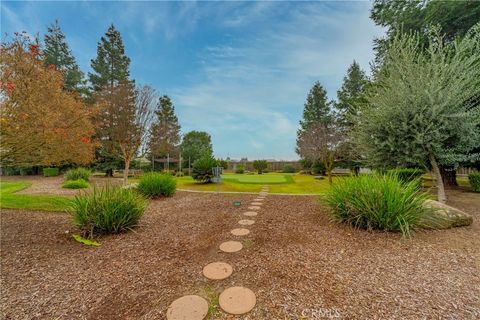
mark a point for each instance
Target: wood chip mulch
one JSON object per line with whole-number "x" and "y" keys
{"x": 297, "y": 262}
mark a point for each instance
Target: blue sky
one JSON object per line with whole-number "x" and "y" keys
{"x": 238, "y": 70}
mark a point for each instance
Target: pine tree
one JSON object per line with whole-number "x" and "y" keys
{"x": 316, "y": 108}
{"x": 111, "y": 66}
{"x": 57, "y": 53}
{"x": 351, "y": 94}
{"x": 165, "y": 132}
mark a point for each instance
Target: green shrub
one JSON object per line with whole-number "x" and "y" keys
{"x": 78, "y": 173}
{"x": 260, "y": 165}
{"x": 154, "y": 185}
{"x": 318, "y": 168}
{"x": 474, "y": 179}
{"x": 202, "y": 169}
{"x": 50, "y": 172}
{"x": 240, "y": 169}
{"x": 288, "y": 169}
{"x": 374, "y": 201}
{"x": 107, "y": 210}
{"x": 407, "y": 174}
{"x": 75, "y": 184}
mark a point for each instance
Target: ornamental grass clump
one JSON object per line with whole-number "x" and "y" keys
{"x": 107, "y": 210}
{"x": 155, "y": 185}
{"x": 78, "y": 173}
{"x": 382, "y": 202}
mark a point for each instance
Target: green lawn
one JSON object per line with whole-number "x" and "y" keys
{"x": 9, "y": 199}
{"x": 278, "y": 183}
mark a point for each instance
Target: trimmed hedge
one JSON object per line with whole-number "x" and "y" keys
{"x": 50, "y": 172}
{"x": 474, "y": 179}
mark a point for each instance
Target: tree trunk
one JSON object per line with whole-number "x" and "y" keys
{"x": 449, "y": 176}
{"x": 438, "y": 176}
{"x": 328, "y": 168}
{"x": 109, "y": 173}
{"x": 125, "y": 172}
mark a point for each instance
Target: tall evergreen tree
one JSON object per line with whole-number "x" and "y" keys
{"x": 316, "y": 110}
{"x": 350, "y": 97}
{"x": 57, "y": 53}
{"x": 350, "y": 94}
{"x": 165, "y": 131}
{"x": 111, "y": 66}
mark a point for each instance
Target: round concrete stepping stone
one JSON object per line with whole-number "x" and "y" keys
{"x": 217, "y": 270}
{"x": 231, "y": 246}
{"x": 188, "y": 307}
{"x": 240, "y": 232}
{"x": 237, "y": 300}
{"x": 246, "y": 222}
{"x": 253, "y": 208}
{"x": 256, "y": 203}
{"x": 250, "y": 213}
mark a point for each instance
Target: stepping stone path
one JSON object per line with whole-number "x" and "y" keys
{"x": 217, "y": 270}
{"x": 246, "y": 222}
{"x": 234, "y": 300}
{"x": 188, "y": 307}
{"x": 237, "y": 300}
{"x": 231, "y": 246}
{"x": 240, "y": 232}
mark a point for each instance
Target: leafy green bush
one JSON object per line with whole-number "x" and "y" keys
{"x": 407, "y": 174}
{"x": 474, "y": 179}
{"x": 377, "y": 202}
{"x": 154, "y": 185}
{"x": 240, "y": 169}
{"x": 318, "y": 168}
{"x": 202, "y": 169}
{"x": 107, "y": 210}
{"x": 78, "y": 173}
{"x": 288, "y": 168}
{"x": 50, "y": 172}
{"x": 260, "y": 165}
{"x": 75, "y": 184}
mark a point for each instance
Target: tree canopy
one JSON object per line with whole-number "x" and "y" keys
{"x": 195, "y": 145}
{"x": 165, "y": 131}
{"x": 41, "y": 123}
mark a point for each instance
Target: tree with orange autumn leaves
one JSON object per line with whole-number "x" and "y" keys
{"x": 41, "y": 124}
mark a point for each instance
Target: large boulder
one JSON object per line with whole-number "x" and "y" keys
{"x": 444, "y": 216}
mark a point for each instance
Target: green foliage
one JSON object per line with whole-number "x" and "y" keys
{"x": 288, "y": 169}
{"x": 78, "y": 173}
{"x": 318, "y": 168}
{"x": 165, "y": 131}
{"x": 154, "y": 185}
{"x": 111, "y": 65}
{"x": 381, "y": 202}
{"x": 474, "y": 180}
{"x": 50, "y": 172}
{"x": 407, "y": 174}
{"x": 423, "y": 104}
{"x": 260, "y": 165}
{"x": 240, "y": 169}
{"x": 202, "y": 169}
{"x": 107, "y": 210}
{"x": 222, "y": 163}
{"x": 195, "y": 145}
{"x": 57, "y": 53}
{"x": 75, "y": 184}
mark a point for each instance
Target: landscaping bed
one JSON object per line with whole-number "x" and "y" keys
{"x": 295, "y": 260}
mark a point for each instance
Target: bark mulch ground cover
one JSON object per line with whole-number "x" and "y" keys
{"x": 295, "y": 260}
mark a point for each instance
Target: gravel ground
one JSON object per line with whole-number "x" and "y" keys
{"x": 296, "y": 261}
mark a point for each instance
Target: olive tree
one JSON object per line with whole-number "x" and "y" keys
{"x": 423, "y": 108}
